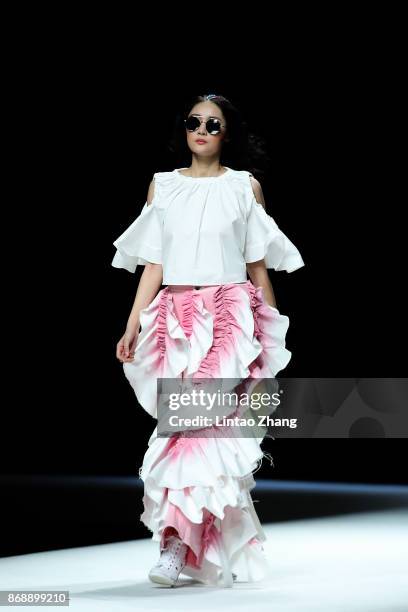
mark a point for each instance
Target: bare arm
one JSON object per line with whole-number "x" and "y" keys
{"x": 257, "y": 270}
{"x": 149, "y": 284}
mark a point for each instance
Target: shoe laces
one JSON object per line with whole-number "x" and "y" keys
{"x": 175, "y": 550}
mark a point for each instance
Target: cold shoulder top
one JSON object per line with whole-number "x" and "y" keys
{"x": 204, "y": 230}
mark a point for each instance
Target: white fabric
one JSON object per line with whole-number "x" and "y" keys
{"x": 213, "y": 473}
{"x": 204, "y": 230}
{"x": 183, "y": 354}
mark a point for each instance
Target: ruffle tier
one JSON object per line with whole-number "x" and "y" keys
{"x": 244, "y": 339}
{"x": 201, "y": 487}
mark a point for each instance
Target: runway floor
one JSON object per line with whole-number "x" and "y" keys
{"x": 348, "y": 563}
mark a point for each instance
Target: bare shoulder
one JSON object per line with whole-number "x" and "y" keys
{"x": 150, "y": 192}
{"x": 257, "y": 189}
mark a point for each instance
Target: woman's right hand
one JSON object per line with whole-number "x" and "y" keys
{"x": 125, "y": 348}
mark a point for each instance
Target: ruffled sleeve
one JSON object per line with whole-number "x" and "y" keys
{"x": 141, "y": 243}
{"x": 264, "y": 240}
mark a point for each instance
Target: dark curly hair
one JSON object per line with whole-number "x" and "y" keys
{"x": 244, "y": 150}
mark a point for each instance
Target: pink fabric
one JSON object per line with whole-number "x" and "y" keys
{"x": 223, "y": 331}
{"x": 161, "y": 322}
{"x": 197, "y": 536}
{"x": 221, "y": 301}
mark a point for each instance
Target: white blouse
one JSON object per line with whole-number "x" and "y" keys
{"x": 204, "y": 230}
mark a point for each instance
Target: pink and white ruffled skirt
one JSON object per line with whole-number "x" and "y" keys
{"x": 200, "y": 486}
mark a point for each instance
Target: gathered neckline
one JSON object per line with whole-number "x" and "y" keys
{"x": 201, "y": 178}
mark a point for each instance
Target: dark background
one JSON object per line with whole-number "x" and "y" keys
{"x": 92, "y": 130}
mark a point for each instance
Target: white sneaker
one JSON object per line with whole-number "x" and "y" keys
{"x": 171, "y": 562}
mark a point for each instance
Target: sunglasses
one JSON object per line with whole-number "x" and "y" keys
{"x": 213, "y": 126}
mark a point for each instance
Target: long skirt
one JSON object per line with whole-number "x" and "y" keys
{"x": 196, "y": 486}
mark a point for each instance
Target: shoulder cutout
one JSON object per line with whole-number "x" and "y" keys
{"x": 257, "y": 190}
{"x": 150, "y": 193}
